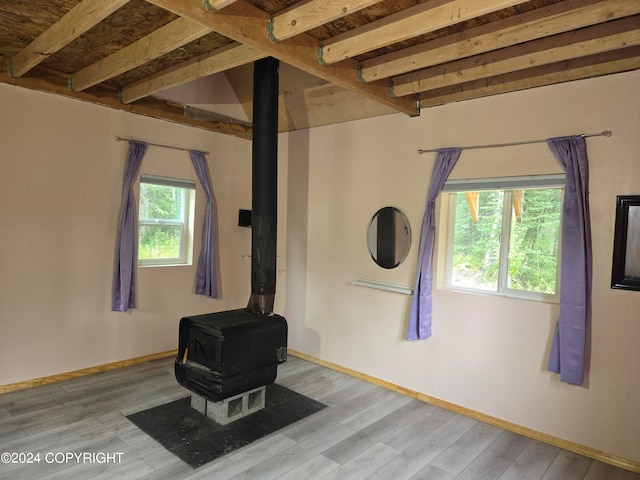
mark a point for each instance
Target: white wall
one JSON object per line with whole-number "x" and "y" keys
{"x": 487, "y": 353}
{"x": 60, "y": 188}
{"x": 60, "y": 191}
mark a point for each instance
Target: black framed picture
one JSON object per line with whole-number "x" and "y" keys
{"x": 626, "y": 244}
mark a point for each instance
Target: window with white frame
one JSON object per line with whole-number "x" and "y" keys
{"x": 165, "y": 214}
{"x": 504, "y": 236}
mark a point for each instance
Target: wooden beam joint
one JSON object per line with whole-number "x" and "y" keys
{"x": 245, "y": 24}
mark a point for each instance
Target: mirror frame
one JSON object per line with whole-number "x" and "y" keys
{"x": 407, "y": 227}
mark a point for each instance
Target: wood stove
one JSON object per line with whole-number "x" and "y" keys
{"x": 226, "y": 353}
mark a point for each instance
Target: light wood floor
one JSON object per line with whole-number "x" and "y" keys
{"x": 367, "y": 432}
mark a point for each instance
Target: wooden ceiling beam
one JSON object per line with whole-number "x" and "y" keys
{"x": 412, "y": 22}
{"x": 216, "y": 61}
{"x": 588, "y": 41}
{"x": 311, "y": 14}
{"x": 80, "y": 19}
{"x": 539, "y": 23}
{"x": 156, "y": 108}
{"x": 247, "y": 24}
{"x": 215, "y": 5}
{"x": 608, "y": 63}
{"x": 165, "y": 39}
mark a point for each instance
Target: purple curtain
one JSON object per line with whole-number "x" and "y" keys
{"x": 568, "y": 351}
{"x": 123, "y": 293}
{"x": 207, "y": 273}
{"x": 420, "y": 316}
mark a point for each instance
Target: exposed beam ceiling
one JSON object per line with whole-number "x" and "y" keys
{"x": 151, "y": 107}
{"x": 575, "y": 44}
{"x": 218, "y": 60}
{"x": 167, "y": 38}
{"x": 246, "y": 24}
{"x": 540, "y": 23}
{"x": 341, "y": 59}
{"x": 424, "y": 18}
{"x": 569, "y": 70}
{"x": 308, "y": 15}
{"x": 79, "y": 20}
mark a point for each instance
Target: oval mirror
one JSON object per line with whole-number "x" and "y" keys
{"x": 389, "y": 237}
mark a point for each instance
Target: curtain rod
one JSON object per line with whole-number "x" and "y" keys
{"x": 121, "y": 139}
{"x": 606, "y": 133}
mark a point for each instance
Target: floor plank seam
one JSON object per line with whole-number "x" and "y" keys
{"x": 365, "y": 431}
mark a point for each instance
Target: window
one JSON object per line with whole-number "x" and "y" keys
{"x": 504, "y": 236}
{"x": 165, "y": 221}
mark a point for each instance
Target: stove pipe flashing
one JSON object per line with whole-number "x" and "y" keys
{"x": 264, "y": 180}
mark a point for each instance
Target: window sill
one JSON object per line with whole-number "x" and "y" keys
{"x": 155, "y": 265}
{"x": 538, "y": 298}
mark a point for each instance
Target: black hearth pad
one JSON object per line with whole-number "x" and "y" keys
{"x": 197, "y": 440}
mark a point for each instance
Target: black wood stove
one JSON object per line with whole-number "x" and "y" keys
{"x": 226, "y": 353}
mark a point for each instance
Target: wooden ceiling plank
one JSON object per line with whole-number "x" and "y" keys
{"x": 246, "y": 24}
{"x": 167, "y": 38}
{"x": 412, "y": 22}
{"x": 575, "y": 69}
{"x": 539, "y": 23}
{"x": 311, "y": 14}
{"x": 589, "y": 41}
{"x": 80, "y": 19}
{"x": 216, "y": 61}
